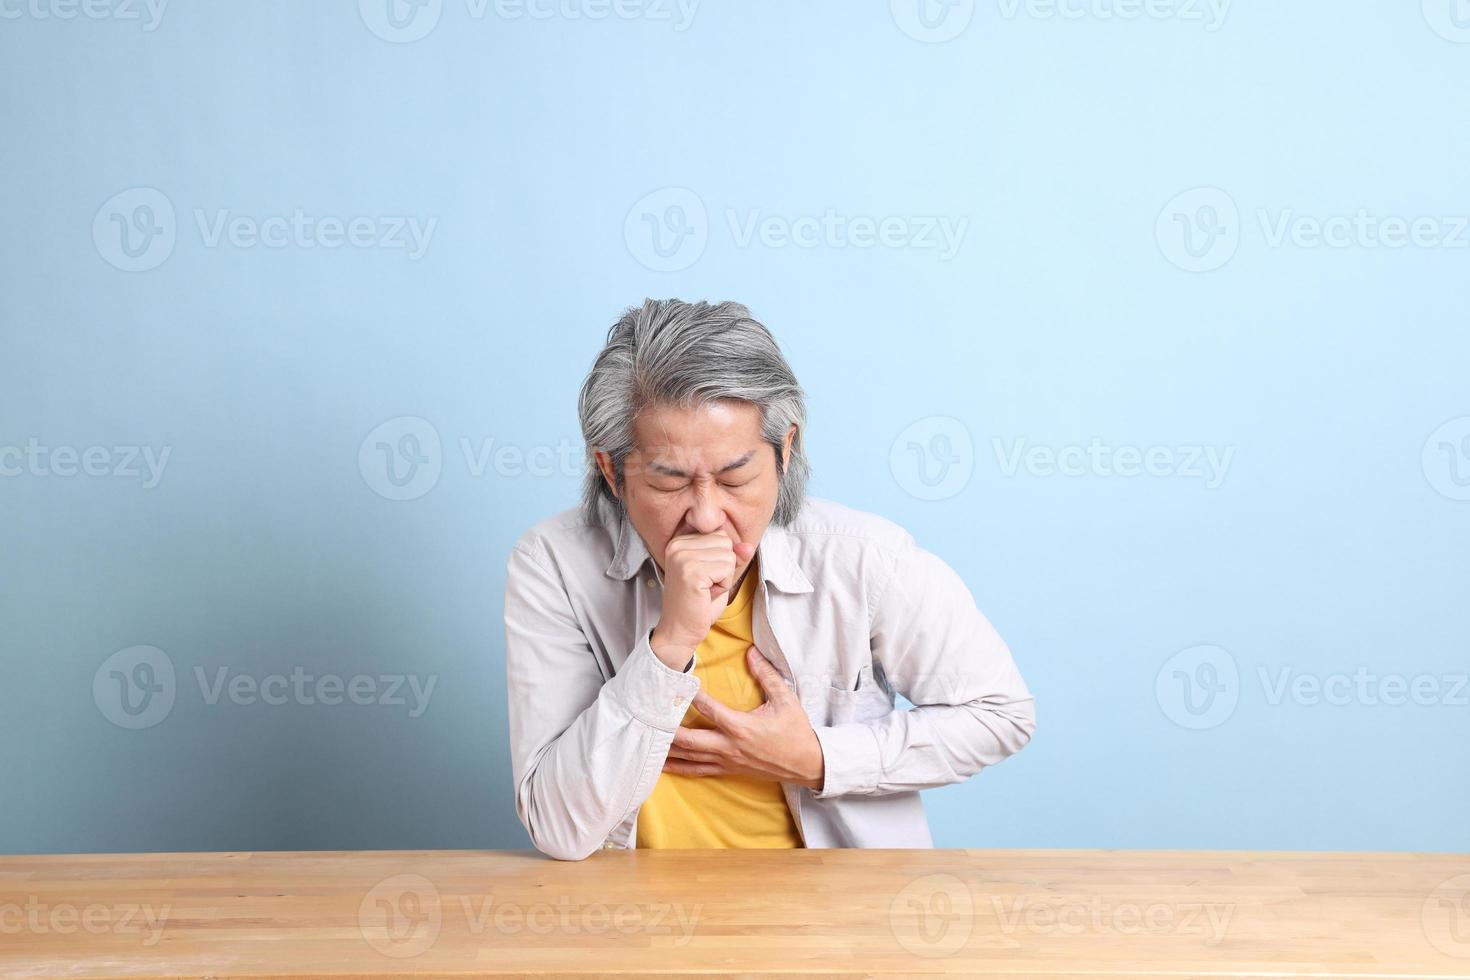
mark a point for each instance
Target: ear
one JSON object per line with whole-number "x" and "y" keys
{"x": 605, "y": 467}
{"x": 786, "y": 446}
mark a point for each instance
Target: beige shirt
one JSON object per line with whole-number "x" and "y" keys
{"x": 848, "y": 608}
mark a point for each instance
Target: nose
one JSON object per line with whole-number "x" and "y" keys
{"x": 705, "y": 515}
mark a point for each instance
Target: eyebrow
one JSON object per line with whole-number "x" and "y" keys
{"x": 671, "y": 471}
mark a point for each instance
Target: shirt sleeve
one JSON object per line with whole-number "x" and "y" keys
{"x": 585, "y": 751}
{"x": 971, "y": 707}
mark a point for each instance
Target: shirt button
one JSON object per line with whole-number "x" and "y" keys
{"x": 648, "y": 582}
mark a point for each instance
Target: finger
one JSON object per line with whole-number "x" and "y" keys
{"x": 720, "y": 715}
{"x": 699, "y": 740}
{"x": 719, "y": 571}
{"x": 769, "y": 677}
{"x": 693, "y": 769}
{"x": 689, "y": 755}
{"x": 716, "y": 541}
{"x": 744, "y": 550}
{"x": 700, "y": 547}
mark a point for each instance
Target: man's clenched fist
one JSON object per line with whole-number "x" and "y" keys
{"x": 699, "y": 577}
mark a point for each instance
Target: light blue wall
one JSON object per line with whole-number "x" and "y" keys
{"x": 1155, "y": 616}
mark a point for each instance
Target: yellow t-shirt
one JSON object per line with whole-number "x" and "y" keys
{"x": 721, "y": 811}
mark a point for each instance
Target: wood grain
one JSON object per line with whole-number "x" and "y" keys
{"x": 838, "y": 913}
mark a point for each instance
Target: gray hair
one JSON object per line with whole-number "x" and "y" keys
{"x": 672, "y": 353}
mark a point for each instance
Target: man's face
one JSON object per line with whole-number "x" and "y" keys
{"x": 698, "y": 471}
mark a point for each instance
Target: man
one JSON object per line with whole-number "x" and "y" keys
{"x": 700, "y": 655}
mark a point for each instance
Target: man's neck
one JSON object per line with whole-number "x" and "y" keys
{"x": 741, "y": 580}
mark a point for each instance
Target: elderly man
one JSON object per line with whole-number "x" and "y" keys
{"x": 700, "y": 655}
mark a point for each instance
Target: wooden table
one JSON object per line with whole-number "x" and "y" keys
{"x": 833, "y": 912}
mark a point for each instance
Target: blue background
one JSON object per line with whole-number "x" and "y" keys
{"x": 1064, "y": 317}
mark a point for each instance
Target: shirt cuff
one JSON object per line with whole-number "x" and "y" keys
{"x": 651, "y": 690}
{"x": 849, "y": 760}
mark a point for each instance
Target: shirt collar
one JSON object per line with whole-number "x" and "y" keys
{"x": 777, "y": 564}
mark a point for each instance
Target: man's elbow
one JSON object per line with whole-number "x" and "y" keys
{"x": 1024, "y": 718}
{"x": 557, "y": 839}
{"x": 1009, "y": 728}
{"x": 564, "y": 850}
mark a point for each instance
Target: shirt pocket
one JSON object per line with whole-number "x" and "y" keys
{"x": 866, "y": 702}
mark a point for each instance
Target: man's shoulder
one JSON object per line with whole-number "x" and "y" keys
{"x": 566, "y": 529}
{"x": 822, "y": 521}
